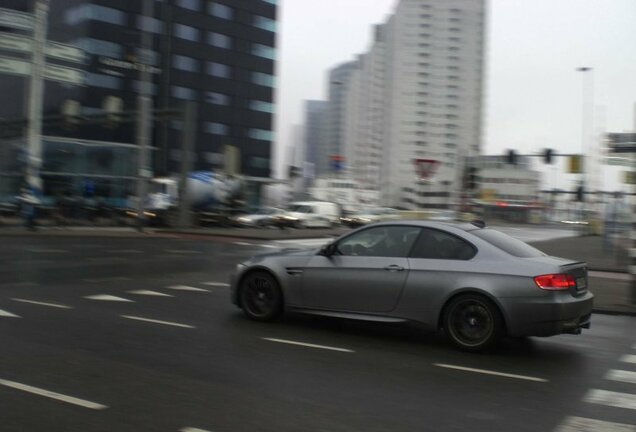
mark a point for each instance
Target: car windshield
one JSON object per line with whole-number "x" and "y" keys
{"x": 300, "y": 208}
{"x": 508, "y": 244}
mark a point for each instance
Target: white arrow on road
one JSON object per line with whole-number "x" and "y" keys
{"x": 107, "y": 297}
{"x": 149, "y": 293}
{"x": 4, "y": 313}
{"x": 186, "y": 288}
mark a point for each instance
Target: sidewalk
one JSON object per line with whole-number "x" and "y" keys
{"x": 608, "y": 278}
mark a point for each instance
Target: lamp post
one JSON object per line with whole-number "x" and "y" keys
{"x": 586, "y": 122}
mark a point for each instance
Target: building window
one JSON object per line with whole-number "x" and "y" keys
{"x": 100, "y": 47}
{"x": 218, "y": 70}
{"x": 220, "y": 10}
{"x": 259, "y": 162}
{"x": 183, "y": 31}
{"x": 263, "y": 79}
{"x": 263, "y": 51}
{"x": 85, "y": 12}
{"x": 184, "y": 93}
{"x": 258, "y": 105}
{"x": 219, "y": 40}
{"x": 148, "y": 57}
{"x": 194, "y": 5}
{"x": 185, "y": 63}
{"x": 217, "y": 98}
{"x": 149, "y": 24}
{"x": 216, "y": 128}
{"x": 103, "y": 81}
{"x": 264, "y": 23}
{"x": 260, "y": 134}
{"x": 152, "y": 88}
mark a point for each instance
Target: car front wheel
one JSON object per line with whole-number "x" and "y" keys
{"x": 261, "y": 297}
{"x": 472, "y": 322}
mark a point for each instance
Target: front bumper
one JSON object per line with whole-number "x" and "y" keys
{"x": 548, "y": 316}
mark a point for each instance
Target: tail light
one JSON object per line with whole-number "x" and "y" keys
{"x": 555, "y": 282}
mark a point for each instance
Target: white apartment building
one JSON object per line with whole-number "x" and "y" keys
{"x": 417, "y": 94}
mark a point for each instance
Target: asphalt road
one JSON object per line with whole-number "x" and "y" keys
{"x": 139, "y": 335}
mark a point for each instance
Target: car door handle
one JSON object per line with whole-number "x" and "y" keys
{"x": 293, "y": 271}
{"x": 393, "y": 267}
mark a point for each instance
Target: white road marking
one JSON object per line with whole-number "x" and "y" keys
{"x": 490, "y": 372}
{"x": 39, "y": 250}
{"x": 609, "y": 275}
{"x": 269, "y": 246}
{"x": 107, "y": 279}
{"x": 4, "y": 313}
{"x": 621, "y": 375}
{"x": 55, "y": 305}
{"x": 186, "y": 288}
{"x": 125, "y": 251}
{"x": 149, "y": 293}
{"x": 191, "y": 429}
{"x": 107, "y": 297}
{"x": 217, "y": 284}
{"x": 582, "y": 424}
{"x": 243, "y": 244}
{"x": 628, "y": 358}
{"x": 182, "y": 251}
{"x": 53, "y": 395}
{"x": 285, "y": 341}
{"x": 610, "y": 398}
{"x": 170, "y": 323}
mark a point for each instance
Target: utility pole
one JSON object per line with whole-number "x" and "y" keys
{"x": 36, "y": 90}
{"x": 144, "y": 104}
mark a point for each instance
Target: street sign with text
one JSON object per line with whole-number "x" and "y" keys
{"x": 51, "y": 72}
{"x": 19, "y": 43}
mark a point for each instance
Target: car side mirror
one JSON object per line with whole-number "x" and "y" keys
{"x": 328, "y": 250}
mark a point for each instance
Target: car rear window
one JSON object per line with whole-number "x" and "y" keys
{"x": 507, "y": 244}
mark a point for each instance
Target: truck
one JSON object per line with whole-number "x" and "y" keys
{"x": 212, "y": 197}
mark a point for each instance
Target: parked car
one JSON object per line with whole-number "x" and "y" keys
{"x": 310, "y": 214}
{"x": 260, "y": 217}
{"x": 371, "y": 215}
{"x": 475, "y": 283}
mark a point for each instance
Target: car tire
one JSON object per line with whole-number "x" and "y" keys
{"x": 472, "y": 322}
{"x": 261, "y": 297}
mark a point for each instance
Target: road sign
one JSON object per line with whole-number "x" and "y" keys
{"x": 64, "y": 52}
{"x": 12, "y": 42}
{"x": 16, "y": 19}
{"x": 64, "y": 74}
{"x": 14, "y": 67}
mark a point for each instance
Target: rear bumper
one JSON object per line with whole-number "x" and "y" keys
{"x": 548, "y": 316}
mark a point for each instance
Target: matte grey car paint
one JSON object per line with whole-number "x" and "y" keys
{"x": 416, "y": 289}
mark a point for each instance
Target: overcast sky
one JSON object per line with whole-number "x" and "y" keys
{"x": 533, "y": 96}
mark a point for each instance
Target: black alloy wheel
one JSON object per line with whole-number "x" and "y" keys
{"x": 472, "y": 322}
{"x": 261, "y": 297}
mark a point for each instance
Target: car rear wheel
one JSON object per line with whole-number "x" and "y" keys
{"x": 472, "y": 322}
{"x": 261, "y": 297}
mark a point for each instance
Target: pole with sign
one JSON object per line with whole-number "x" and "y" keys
{"x": 36, "y": 87}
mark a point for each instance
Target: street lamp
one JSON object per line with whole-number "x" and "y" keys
{"x": 586, "y": 120}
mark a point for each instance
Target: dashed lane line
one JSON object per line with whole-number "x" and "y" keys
{"x": 191, "y": 429}
{"x": 54, "y": 305}
{"x": 6, "y": 314}
{"x": 491, "y": 372}
{"x": 621, "y": 375}
{"x": 108, "y": 297}
{"x": 628, "y": 358}
{"x": 107, "y": 279}
{"x": 150, "y": 320}
{"x": 186, "y": 288}
{"x": 243, "y": 244}
{"x": 290, "y": 342}
{"x": 149, "y": 293}
{"x": 53, "y": 395}
{"x": 216, "y": 284}
{"x": 610, "y": 398}
{"x": 582, "y": 424}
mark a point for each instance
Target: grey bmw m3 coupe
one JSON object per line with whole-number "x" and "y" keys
{"x": 475, "y": 283}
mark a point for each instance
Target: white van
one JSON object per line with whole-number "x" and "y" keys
{"x": 312, "y": 214}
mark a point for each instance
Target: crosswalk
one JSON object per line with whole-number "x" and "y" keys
{"x": 623, "y": 402}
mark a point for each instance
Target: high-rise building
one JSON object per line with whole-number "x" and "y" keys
{"x": 219, "y": 54}
{"x": 416, "y": 94}
{"x": 314, "y": 135}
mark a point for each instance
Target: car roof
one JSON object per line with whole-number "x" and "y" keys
{"x": 429, "y": 224}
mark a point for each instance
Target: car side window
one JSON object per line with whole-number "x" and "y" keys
{"x": 438, "y": 244}
{"x": 382, "y": 241}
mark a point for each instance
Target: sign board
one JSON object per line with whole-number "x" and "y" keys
{"x": 63, "y": 74}
{"x": 14, "y": 67}
{"x": 12, "y": 42}
{"x": 16, "y": 19}
{"x": 64, "y": 52}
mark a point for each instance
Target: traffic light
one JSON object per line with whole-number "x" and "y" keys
{"x": 575, "y": 163}
{"x": 580, "y": 194}
{"x": 548, "y": 155}
{"x": 511, "y": 157}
